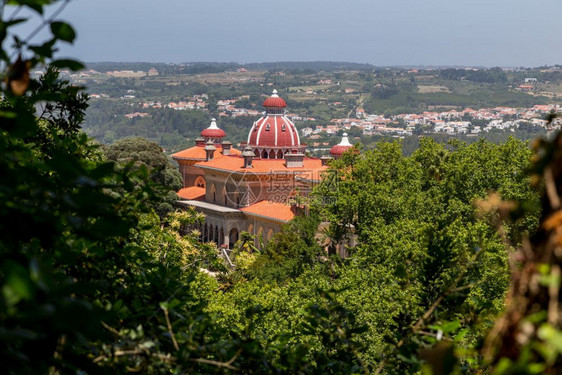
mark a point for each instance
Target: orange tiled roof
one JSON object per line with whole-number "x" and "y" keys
{"x": 192, "y": 193}
{"x": 236, "y": 164}
{"x": 276, "y": 211}
{"x": 198, "y": 153}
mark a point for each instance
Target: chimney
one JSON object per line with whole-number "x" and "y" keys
{"x": 294, "y": 160}
{"x": 226, "y": 145}
{"x": 200, "y": 141}
{"x": 210, "y": 150}
{"x": 248, "y": 156}
{"x": 325, "y": 159}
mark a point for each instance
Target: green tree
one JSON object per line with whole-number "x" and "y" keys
{"x": 140, "y": 153}
{"x": 421, "y": 240}
{"x": 92, "y": 281}
{"x": 80, "y": 290}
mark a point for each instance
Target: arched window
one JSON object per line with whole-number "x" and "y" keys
{"x": 232, "y": 237}
{"x": 264, "y": 154}
{"x": 200, "y": 182}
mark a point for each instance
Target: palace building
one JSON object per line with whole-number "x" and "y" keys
{"x": 251, "y": 189}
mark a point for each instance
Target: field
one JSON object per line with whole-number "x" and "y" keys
{"x": 428, "y": 89}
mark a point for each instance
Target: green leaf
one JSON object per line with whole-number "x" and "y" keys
{"x": 14, "y": 22}
{"x": 63, "y": 31}
{"x": 461, "y": 335}
{"x": 70, "y": 64}
{"x": 18, "y": 284}
{"x": 117, "y": 305}
{"x": 451, "y": 326}
{"x": 8, "y": 114}
{"x": 537, "y": 368}
{"x": 537, "y": 317}
{"x": 148, "y": 344}
{"x": 503, "y": 366}
{"x": 552, "y": 336}
{"x": 46, "y": 49}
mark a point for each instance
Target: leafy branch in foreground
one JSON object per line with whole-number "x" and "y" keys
{"x": 527, "y": 338}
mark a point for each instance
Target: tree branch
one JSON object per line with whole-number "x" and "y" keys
{"x": 176, "y": 346}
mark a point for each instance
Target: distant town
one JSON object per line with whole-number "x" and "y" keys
{"x": 386, "y": 102}
{"x": 449, "y": 122}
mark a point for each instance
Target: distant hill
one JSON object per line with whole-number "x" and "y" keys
{"x": 327, "y": 66}
{"x": 219, "y": 67}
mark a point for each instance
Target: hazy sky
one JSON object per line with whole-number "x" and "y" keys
{"x": 380, "y": 32}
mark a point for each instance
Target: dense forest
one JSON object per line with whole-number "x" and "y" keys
{"x": 456, "y": 267}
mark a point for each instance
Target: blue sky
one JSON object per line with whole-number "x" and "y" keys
{"x": 380, "y": 32}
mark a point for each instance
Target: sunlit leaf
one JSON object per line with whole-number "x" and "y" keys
{"x": 18, "y": 284}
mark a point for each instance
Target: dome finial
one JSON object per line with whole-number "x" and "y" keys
{"x": 213, "y": 131}
{"x": 337, "y": 150}
{"x": 345, "y": 140}
{"x": 213, "y": 124}
{"x": 274, "y": 101}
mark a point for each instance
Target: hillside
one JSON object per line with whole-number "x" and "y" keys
{"x": 174, "y": 102}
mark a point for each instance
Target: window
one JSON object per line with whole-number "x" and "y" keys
{"x": 200, "y": 182}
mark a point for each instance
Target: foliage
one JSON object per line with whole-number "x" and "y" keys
{"x": 527, "y": 338}
{"x": 428, "y": 266}
{"x": 409, "y": 100}
{"x": 289, "y": 253}
{"x": 94, "y": 281}
{"x": 493, "y": 75}
{"x": 134, "y": 153}
{"x": 420, "y": 238}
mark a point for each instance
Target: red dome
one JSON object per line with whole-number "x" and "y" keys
{"x": 342, "y": 147}
{"x": 213, "y": 131}
{"x": 274, "y": 131}
{"x": 338, "y": 150}
{"x": 274, "y": 101}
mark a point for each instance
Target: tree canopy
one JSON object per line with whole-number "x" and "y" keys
{"x": 136, "y": 153}
{"x": 94, "y": 281}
